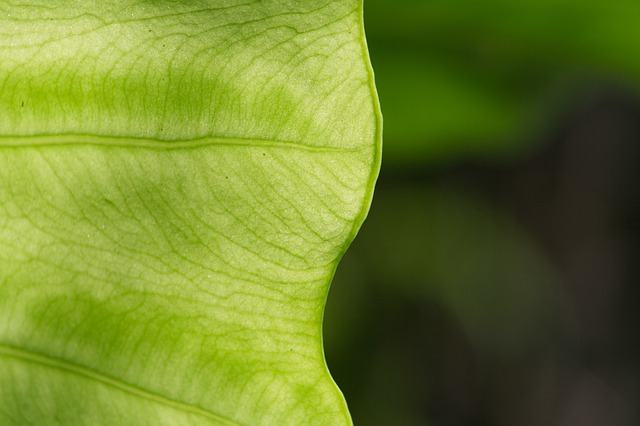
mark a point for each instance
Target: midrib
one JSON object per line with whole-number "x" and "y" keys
{"x": 7, "y": 141}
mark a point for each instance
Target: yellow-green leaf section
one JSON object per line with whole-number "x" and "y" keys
{"x": 178, "y": 180}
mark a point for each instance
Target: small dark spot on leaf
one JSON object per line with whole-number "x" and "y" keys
{"x": 22, "y": 104}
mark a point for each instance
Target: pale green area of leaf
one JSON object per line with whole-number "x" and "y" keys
{"x": 178, "y": 181}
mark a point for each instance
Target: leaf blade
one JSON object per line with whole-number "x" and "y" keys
{"x": 193, "y": 265}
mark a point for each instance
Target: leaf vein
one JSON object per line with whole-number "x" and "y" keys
{"x": 60, "y": 364}
{"x": 32, "y": 141}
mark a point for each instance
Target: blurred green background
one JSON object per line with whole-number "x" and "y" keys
{"x": 495, "y": 281}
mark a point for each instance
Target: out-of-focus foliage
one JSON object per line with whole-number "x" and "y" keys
{"x": 465, "y": 77}
{"x": 444, "y": 250}
{"x": 495, "y": 282}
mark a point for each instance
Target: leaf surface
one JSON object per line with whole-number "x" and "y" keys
{"x": 178, "y": 181}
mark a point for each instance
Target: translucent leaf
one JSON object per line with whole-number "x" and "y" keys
{"x": 178, "y": 181}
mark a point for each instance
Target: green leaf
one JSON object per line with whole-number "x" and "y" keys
{"x": 178, "y": 181}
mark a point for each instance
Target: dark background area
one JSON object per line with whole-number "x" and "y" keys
{"x": 495, "y": 281}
